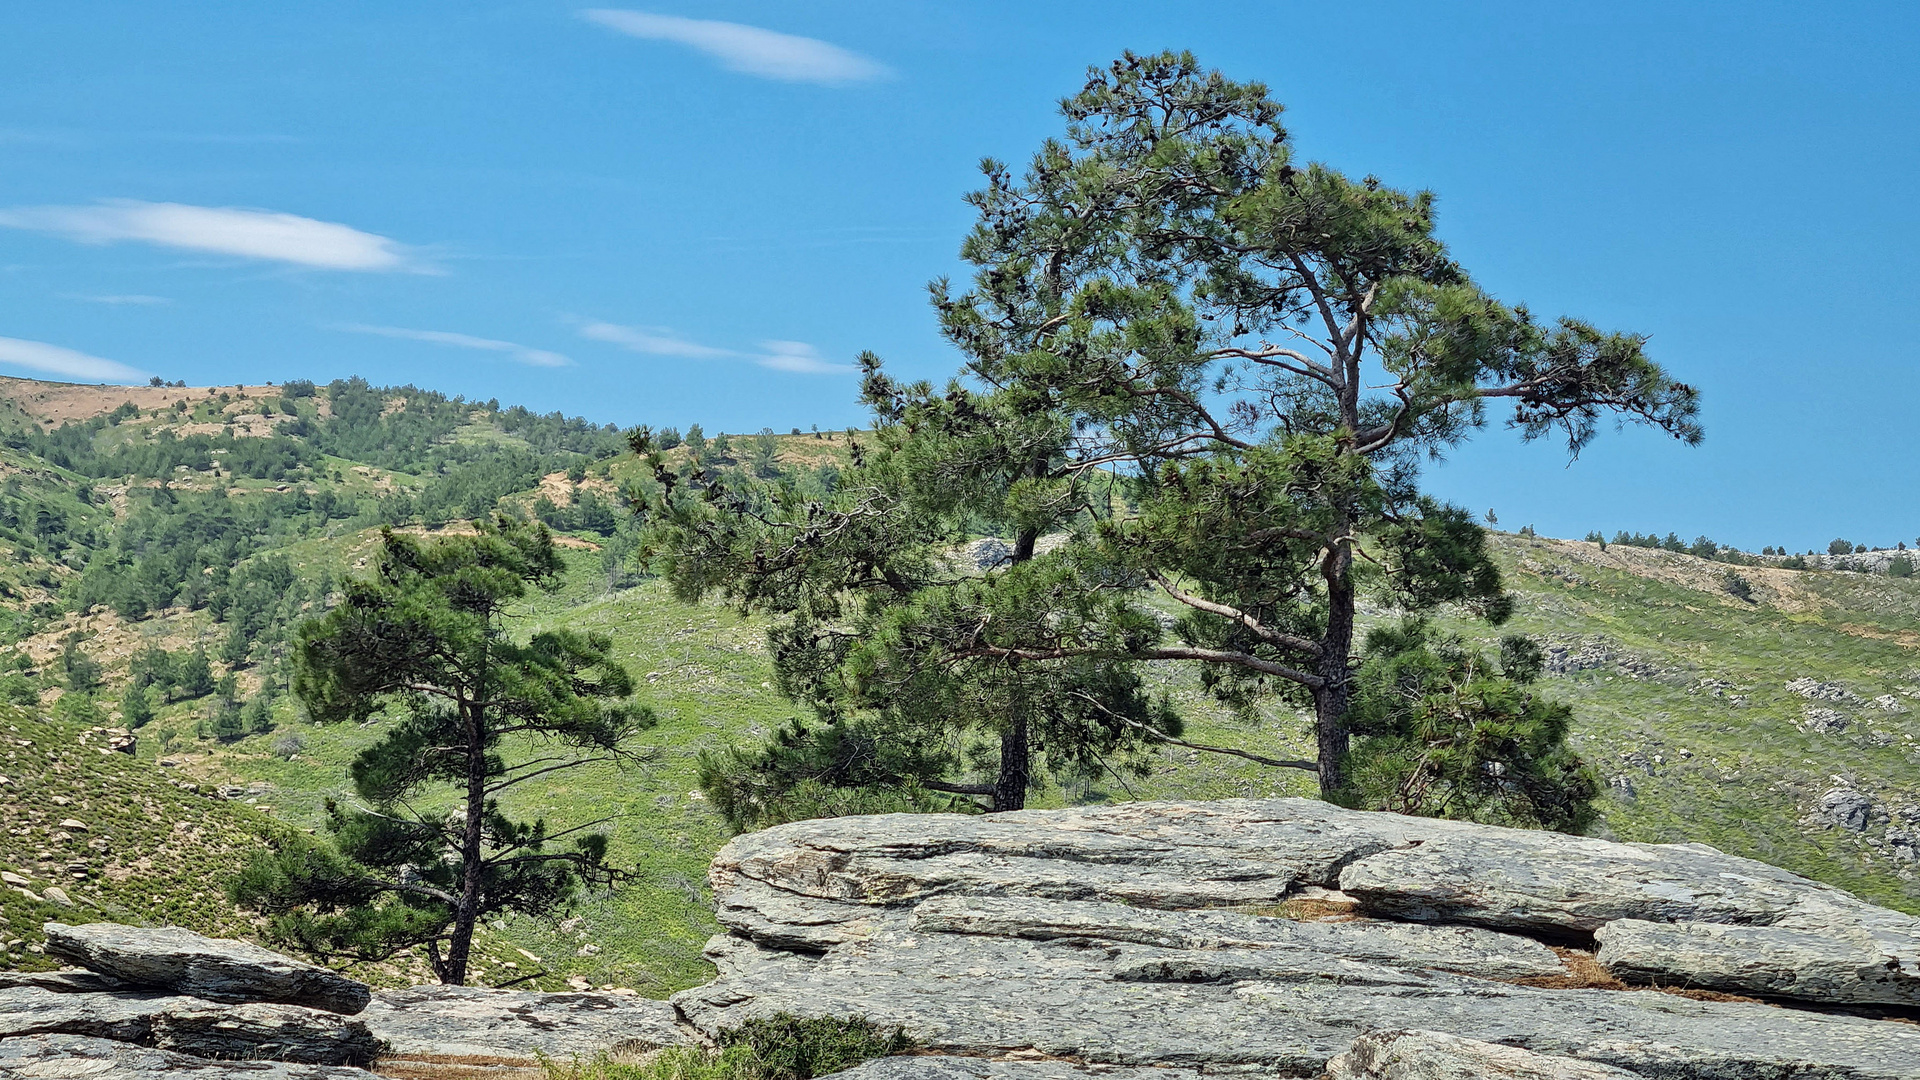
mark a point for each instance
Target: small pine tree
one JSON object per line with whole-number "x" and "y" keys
{"x": 257, "y": 715}
{"x": 425, "y": 644}
{"x": 226, "y": 724}
{"x": 193, "y": 675}
{"x": 136, "y": 709}
{"x": 82, "y": 671}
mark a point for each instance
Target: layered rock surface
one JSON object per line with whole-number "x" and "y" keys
{"x": 1142, "y": 936}
{"x": 92, "y": 1023}
{"x": 462, "y": 1021}
{"x": 50, "y": 1057}
{"x": 212, "y": 969}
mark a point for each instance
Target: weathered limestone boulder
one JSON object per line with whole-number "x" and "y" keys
{"x": 212, "y": 969}
{"x": 1433, "y": 1055}
{"x": 437, "y": 1021}
{"x": 1142, "y": 937}
{"x": 53, "y": 1057}
{"x": 190, "y": 1025}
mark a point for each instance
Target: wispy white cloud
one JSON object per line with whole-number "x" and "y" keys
{"x": 794, "y": 356}
{"x": 54, "y": 360}
{"x": 514, "y": 350}
{"x": 117, "y": 299}
{"x": 798, "y": 357}
{"x": 225, "y": 230}
{"x": 748, "y": 49}
{"x": 652, "y": 340}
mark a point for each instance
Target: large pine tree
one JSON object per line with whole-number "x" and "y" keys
{"x": 1211, "y": 371}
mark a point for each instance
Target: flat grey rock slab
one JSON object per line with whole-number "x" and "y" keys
{"x": 213, "y": 969}
{"x": 1843, "y": 963}
{"x": 1668, "y": 914}
{"x": 1462, "y": 949}
{"x": 812, "y": 886}
{"x": 471, "y": 1020}
{"x": 1433, "y": 1055}
{"x": 1521, "y": 879}
{"x": 190, "y": 1025}
{"x": 942, "y": 1067}
{"x": 1072, "y": 998}
{"x": 76, "y": 1057}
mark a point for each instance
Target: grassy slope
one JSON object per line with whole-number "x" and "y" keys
{"x": 1740, "y": 769}
{"x": 150, "y": 851}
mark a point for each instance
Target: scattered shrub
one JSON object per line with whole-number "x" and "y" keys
{"x": 1901, "y": 566}
{"x": 779, "y": 1047}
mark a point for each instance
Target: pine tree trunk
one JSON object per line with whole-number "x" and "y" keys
{"x": 1016, "y": 765}
{"x": 467, "y": 912}
{"x": 1331, "y": 698}
{"x": 1016, "y": 753}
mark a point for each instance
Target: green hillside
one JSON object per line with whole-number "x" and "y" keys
{"x": 164, "y": 540}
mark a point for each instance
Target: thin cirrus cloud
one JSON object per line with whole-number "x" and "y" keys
{"x": 118, "y": 299}
{"x": 652, "y": 340}
{"x": 54, "y": 360}
{"x": 222, "y": 230}
{"x": 749, "y": 50}
{"x": 792, "y": 356}
{"x": 798, "y": 357}
{"x": 511, "y": 349}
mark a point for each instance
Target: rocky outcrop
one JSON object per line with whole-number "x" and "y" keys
{"x": 460, "y": 1021}
{"x": 190, "y": 1025}
{"x": 211, "y": 969}
{"x": 49, "y": 1057}
{"x": 165, "y": 1000}
{"x": 1149, "y": 936}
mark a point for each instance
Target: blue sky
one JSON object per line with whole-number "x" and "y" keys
{"x": 663, "y": 214}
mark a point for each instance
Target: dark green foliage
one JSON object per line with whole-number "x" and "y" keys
{"x": 1442, "y": 731}
{"x": 1737, "y": 587}
{"x": 81, "y": 672}
{"x": 136, "y": 708}
{"x": 257, "y": 715}
{"x": 777, "y": 1047}
{"x": 227, "y": 724}
{"x": 17, "y": 689}
{"x": 787, "y": 1047}
{"x": 824, "y": 770}
{"x": 423, "y": 646}
{"x": 193, "y": 674}
{"x": 1901, "y": 566}
{"x": 1840, "y": 547}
